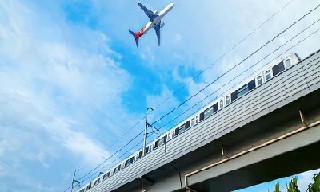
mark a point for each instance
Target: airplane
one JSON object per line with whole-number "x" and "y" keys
{"x": 155, "y": 22}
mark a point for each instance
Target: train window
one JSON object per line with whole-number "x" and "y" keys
{"x": 220, "y": 104}
{"x": 259, "y": 80}
{"x": 169, "y": 136}
{"x": 287, "y": 64}
{"x": 201, "y": 118}
{"x": 119, "y": 167}
{"x": 208, "y": 112}
{"x": 243, "y": 90}
{"x": 182, "y": 128}
{"x": 163, "y": 140}
{"x": 148, "y": 149}
{"x": 132, "y": 160}
{"x": 138, "y": 155}
{"x": 234, "y": 95}
{"x": 251, "y": 85}
{"x": 97, "y": 182}
{"x": 275, "y": 70}
{"x": 268, "y": 75}
{"x": 228, "y": 101}
{"x": 88, "y": 187}
{"x": 187, "y": 124}
{"x": 111, "y": 173}
{"x": 176, "y": 132}
{"x": 127, "y": 163}
{"x": 215, "y": 107}
{"x": 123, "y": 165}
{"x": 156, "y": 144}
{"x": 105, "y": 176}
{"x": 197, "y": 120}
{"x": 278, "y": 68}
{"x": 192, "y": 122}
{"x": 281, "y": 66}
{"x": 205, "y": 113}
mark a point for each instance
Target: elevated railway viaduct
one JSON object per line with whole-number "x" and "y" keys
{"x": 271, "y": 132}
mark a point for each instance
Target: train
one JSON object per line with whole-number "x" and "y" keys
{"x": 260, "y": 78}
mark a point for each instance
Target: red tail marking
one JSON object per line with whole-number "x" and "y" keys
{"x": 139, "y": 34}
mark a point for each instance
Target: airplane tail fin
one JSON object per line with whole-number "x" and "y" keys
{"x": 135, "y": 37}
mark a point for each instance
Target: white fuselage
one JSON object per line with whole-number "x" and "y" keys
{"x": 157, "y": 20}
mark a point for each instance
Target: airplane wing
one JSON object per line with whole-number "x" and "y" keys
{"x": 148, "y": 12}
{"x": 157, "y": 30}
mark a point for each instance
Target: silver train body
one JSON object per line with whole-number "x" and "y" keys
{"x": 260, "y": 78}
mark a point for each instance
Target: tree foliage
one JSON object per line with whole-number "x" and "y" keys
{"x": 292, "y": 186}
{"x": 315, "y": 186}
{"x": 277, "y": 188}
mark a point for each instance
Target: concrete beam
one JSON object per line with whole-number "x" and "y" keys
{"x": 207, "y": 179}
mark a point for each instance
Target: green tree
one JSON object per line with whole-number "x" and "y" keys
{"x": 277, "y": 188}
{"x": 293, "y": 185}
{"x": 315, "y": 186}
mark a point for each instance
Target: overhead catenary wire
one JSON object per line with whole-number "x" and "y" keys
{"x": 231, "y": 80}
{"x": 115, "y": 141}
{"x": 90, "y": 174}
{"x": 120, "y": 157}
{"x": 218, "y": 131}
{"x": 226, "y": 72}
{"x": 90, "y": 177}
{"x": 225, "y": 53}
{"x": 202, "y": 73}
{"x": 127, "y": 144}
{"x": 93, "y": 174}
{"x": 300, "y": 41}
{"x": 216, "y": 61}
{"x": 264, "y": 59}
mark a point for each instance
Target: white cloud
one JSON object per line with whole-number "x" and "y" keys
{"x": 158, "y": 100}
{"x": 306, "y": 178}
{"x": 56, "y": 79}
{"x": 63, "y": 83}
{"x": 206, "y": 36}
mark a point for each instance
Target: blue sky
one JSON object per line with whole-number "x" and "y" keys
{"x": 73, "y": 84}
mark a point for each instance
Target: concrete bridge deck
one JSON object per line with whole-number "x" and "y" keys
{"x": 261, "y": 116}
